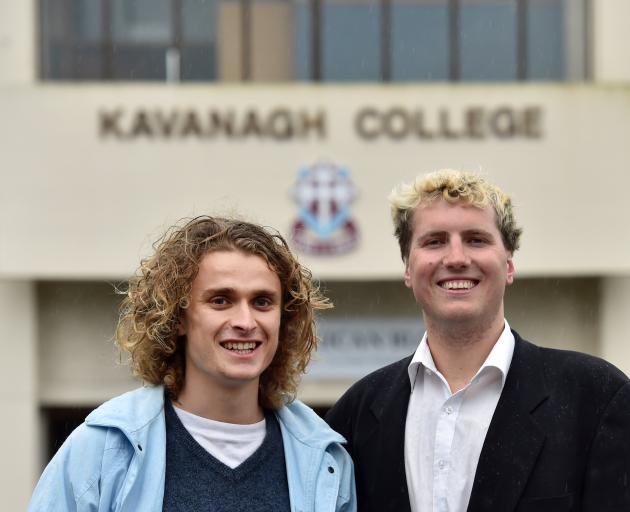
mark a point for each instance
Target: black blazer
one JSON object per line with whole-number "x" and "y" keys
{"x": 559, "y": 439}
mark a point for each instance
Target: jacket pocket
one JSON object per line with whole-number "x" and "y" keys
{"x": 562, "y": 503}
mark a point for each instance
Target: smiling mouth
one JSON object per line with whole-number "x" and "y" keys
{"x": 240, "y": 347}
{"x": 458, "y": 284}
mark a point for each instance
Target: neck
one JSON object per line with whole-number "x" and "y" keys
{"x": 236, "y": 404}
{"x": 458, "y": 351}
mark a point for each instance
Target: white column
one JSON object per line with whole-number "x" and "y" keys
{"x": 615, "y": 321}
{"x": 18, "y": 41}
{"x": 19, "y": 430}
{"x": 611, "y": 40}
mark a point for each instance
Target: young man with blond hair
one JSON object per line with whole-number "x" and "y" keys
{"x": 219, "y": 325}
{"x": 479, "y": 419}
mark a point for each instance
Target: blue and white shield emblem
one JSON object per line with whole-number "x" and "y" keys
{"x": 324, "y": 193}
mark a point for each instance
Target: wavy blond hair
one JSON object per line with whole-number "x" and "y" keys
{"x": 159, "y": 292}
{"x": 452, "y": 186}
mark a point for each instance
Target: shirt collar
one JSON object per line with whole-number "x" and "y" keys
{"x": 500, "y": 356}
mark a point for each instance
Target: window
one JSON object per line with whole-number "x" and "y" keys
{"x": 420, "y": 40}
{"x": 315, "y": 40}
{"x": 128, "y": 39}
{"x": 446, "y": 40}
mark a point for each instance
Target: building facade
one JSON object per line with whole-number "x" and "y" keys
{"x": 120, "y": 117}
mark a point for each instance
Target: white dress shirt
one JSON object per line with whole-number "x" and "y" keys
{"x": 444, "y": 432}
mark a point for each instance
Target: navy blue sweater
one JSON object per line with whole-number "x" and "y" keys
{"x": 197, "y": 481}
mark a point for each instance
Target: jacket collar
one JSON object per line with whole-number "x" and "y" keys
{"x": 135, "y": 410}
{"x": 514, "y": 439}
{"x": 131, "y": 413}
{"x": 302, "y": 423}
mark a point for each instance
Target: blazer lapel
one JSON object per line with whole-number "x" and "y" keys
{"x": 387, "y": 443}
{"x": 513, "y": 441}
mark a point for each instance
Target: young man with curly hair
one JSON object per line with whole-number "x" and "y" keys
{"x": 218, "y": 323}
{"x": 479, "y": 419}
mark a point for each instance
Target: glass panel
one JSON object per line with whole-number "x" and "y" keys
{"x": 199, "y": 63}
{"x": 88, "y": 20}
{"x": 55, "y": 19}
{"x": 76, "y": 62}
{"x": 72, "y": 19}
{"x": 420, "y": 40}
{"x": 488, "y": 40}
{"x": 142, "y": 21}
{"x": 71, "y": 37}
{"x": 545, "y": 40}
{"x": 87, "y": 62}
{"x": 139, "y": 62}
{"x": 351, "y": 40}
{"x": 302, "y": 34}
{"x": 58, "y": 62}
{"x": 199, "y": 18}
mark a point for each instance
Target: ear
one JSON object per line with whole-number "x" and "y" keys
{"x": 510, "y": 269}
{"x": 407, "y": 275}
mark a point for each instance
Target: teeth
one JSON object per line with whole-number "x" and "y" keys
{"x": 240, "y": 346}
{"x": 458, "y": 285}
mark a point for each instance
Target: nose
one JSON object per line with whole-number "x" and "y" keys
{"x": 243, "y": 318}
{"x": 456, "y": 255}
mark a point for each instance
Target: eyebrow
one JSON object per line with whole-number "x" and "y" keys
{"x": 210, "y": 292}
{"x": 466, "y": 232}
{"x": 437, "y": 232}
{"x": 478, "y": 232}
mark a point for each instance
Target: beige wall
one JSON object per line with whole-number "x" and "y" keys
{"x": 78, "y": 363}
{"x": 18, "y": 394}
{"x": 611, "y": 41}
{"x": 556, "y": 313}
{"x": 18, "y": 42}
{"x": 93, "y": 205}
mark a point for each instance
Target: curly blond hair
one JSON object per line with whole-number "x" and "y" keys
{"x": 452, "y": 186}
{"x": 159, "y": 292}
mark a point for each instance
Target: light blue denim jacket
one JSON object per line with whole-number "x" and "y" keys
{"x": 116, "y": 460}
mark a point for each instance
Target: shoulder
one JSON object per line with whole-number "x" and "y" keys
{"x": 571, "y": 370}
{"x": 304, "y": 431}
{"x": 97, "y": 449}
{"x": 301, "y": 422}
{"x": 315, "y": 456}
{"x": 74, "y": 474}
{"x": 386, "y": 389}
{"x": 130, "y": 411}
{"x": 379, "y": 382}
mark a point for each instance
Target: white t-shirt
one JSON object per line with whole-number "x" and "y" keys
{"x": 230, "y": 443}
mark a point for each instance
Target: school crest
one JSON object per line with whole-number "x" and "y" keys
{"x": 324, "y": 193}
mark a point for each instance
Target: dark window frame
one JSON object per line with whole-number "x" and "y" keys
{"x": 316, "y": 39}
{"x": 107, "y": 45}
{"x": 454, "y": 16}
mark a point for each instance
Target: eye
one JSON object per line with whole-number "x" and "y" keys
{"x": 263, "y": 302}
{"x": 432, "y": 242}
{"x": 219, "y": 300}
{"x": 478, "y": 240}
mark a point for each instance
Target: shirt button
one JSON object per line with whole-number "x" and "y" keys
{"x": 448, "y": 409}
{"x": 441, "y": 464}
{"x": 428, "y": 372}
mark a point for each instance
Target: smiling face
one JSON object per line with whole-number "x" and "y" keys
{"x": 458, "y": 266}
{"x": 232, "y": 323}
